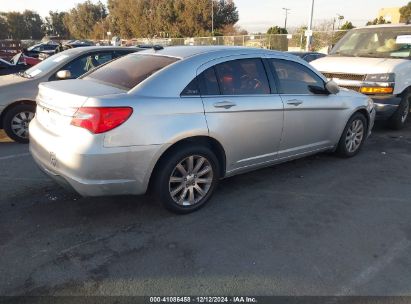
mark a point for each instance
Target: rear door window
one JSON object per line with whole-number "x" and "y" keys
{"x": 204, "y": 84}
{"x": 242, "y": 77}
{"x": 129, "y": 71}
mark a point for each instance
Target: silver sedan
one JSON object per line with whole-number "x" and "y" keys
{"x": 179, "y": 119}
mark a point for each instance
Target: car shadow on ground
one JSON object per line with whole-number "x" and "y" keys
{"x": 56, "y": 241}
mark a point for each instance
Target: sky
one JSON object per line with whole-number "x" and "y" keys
{"x": 255, "y": 15}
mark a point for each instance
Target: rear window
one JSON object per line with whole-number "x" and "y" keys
{"x": 129, "y": 71}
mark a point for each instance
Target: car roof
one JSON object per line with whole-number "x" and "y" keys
{"x": 86, "y": 49}
{"x": 304, "y": 53}
{"x": 184, "y": 52}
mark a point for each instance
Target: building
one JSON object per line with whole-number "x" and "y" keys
{"x": 390, "y": 14}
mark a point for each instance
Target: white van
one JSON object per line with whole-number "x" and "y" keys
{"x": 376, "y": 61}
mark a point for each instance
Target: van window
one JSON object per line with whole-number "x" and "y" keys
{"x": 384, "y": 42}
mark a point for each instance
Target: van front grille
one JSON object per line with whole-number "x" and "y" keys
{"x": 358, "y": 77}
{"x": 357, "y": 89}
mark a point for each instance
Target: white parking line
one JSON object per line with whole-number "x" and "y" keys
{"x": 371, "y": 271}
{"x": 14, "y": 156}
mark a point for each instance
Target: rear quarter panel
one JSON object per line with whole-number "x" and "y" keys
{"x": 155, "y": 120}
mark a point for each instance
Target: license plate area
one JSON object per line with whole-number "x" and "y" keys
{"x": 47, "y": 117}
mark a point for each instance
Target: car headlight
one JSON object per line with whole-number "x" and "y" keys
{"x": 388, "y": 77}
{"x": 378, "y": 84}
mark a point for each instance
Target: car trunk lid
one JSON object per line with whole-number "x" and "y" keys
{"x": 58, "y": 101}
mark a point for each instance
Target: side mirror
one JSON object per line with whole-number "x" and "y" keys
{"x": 63, "y": 74}
{"x": 332, "y": 87}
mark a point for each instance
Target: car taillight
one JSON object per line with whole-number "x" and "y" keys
{"x": 100, "y": 119}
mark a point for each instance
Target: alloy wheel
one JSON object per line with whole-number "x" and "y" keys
{"x": 355, "y": 135}
{"x": 191, "y": 180}
{"x": 20, "y": 123}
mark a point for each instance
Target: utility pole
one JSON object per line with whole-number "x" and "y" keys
{"x": 212, "y": 17}
{"x": 286, "y": 16}
{"x": 310, "y": 27}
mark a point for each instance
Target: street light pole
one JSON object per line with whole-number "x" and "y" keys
{"x": 310, "y": 27}
{"x": 212, "y": 17}
{"x": 286, "y": 16}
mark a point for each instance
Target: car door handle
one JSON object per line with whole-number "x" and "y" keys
{"x": 224, "y": 104}
{"x": 294, "y": 102}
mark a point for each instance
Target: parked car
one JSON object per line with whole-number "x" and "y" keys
{"x": 19, "y": 91}
{"x": 308, "y": 56}
{"x": 46, "y": 54}
{"x": 180, "y": 118}
{"x": 7, "y": 67}
{"x": 67, "y": 45}
{"x": 36, "y": 49}
{"x": 375, "y": 60}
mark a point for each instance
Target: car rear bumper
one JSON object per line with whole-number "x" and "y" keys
{"x": 98, "y": 172}
{"x": 386, "y": 106}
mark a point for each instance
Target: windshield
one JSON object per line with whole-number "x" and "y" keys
{"x": 389, "y": 42}
{"x": 129, "y": 71}
{"x": 45, "y": 66}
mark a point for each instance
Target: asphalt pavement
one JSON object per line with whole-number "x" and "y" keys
{"x": 317, "y": 226}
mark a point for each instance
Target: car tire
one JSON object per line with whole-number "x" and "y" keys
{"x": 183, "y": 189}
{"x": 353, "y": 136}
{"x": 16, "y": 122}
{"x": 399, "y": 119}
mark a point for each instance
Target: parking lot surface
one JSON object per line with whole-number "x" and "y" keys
{"x": 316, "y": 226}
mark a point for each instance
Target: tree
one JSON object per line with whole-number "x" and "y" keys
{"x": 405, "y": 13}
{"x": 276, "y": 30}
{"x": 4, "y": 29}
{"x": 55, "y": 24}
{"x": 26, "y": 25}
{"x": 169, "y": 18}
{"x": 81, "y": 19}
{"x": 233, "y": 30}
{"x": 225, "y": 13}
{"x": 347, "y": 26}
{"x": 379, "y": 20}
{"x": 33, "y": 24}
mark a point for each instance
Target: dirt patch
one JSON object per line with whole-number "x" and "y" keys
{"x": 4, "y": 137}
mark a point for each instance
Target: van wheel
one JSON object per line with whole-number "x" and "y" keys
{"x": 399, "y": 119}
{"x": 16, "y": 122}
{"x": 353, "y": 136}
{"x": 187, "y": 179}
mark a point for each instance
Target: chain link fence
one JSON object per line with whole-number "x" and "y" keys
{"x": 321, "y": 41}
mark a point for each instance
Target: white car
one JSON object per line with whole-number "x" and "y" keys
{"x": 19, "y": 91}
{"x": 375, "y": 60}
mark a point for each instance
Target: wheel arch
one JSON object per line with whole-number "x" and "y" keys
{"x": 360, "y": 110}
{"x": 12, "y": 105}
{"x": 211, "y": 142}
{"x": 365, "y": 113}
